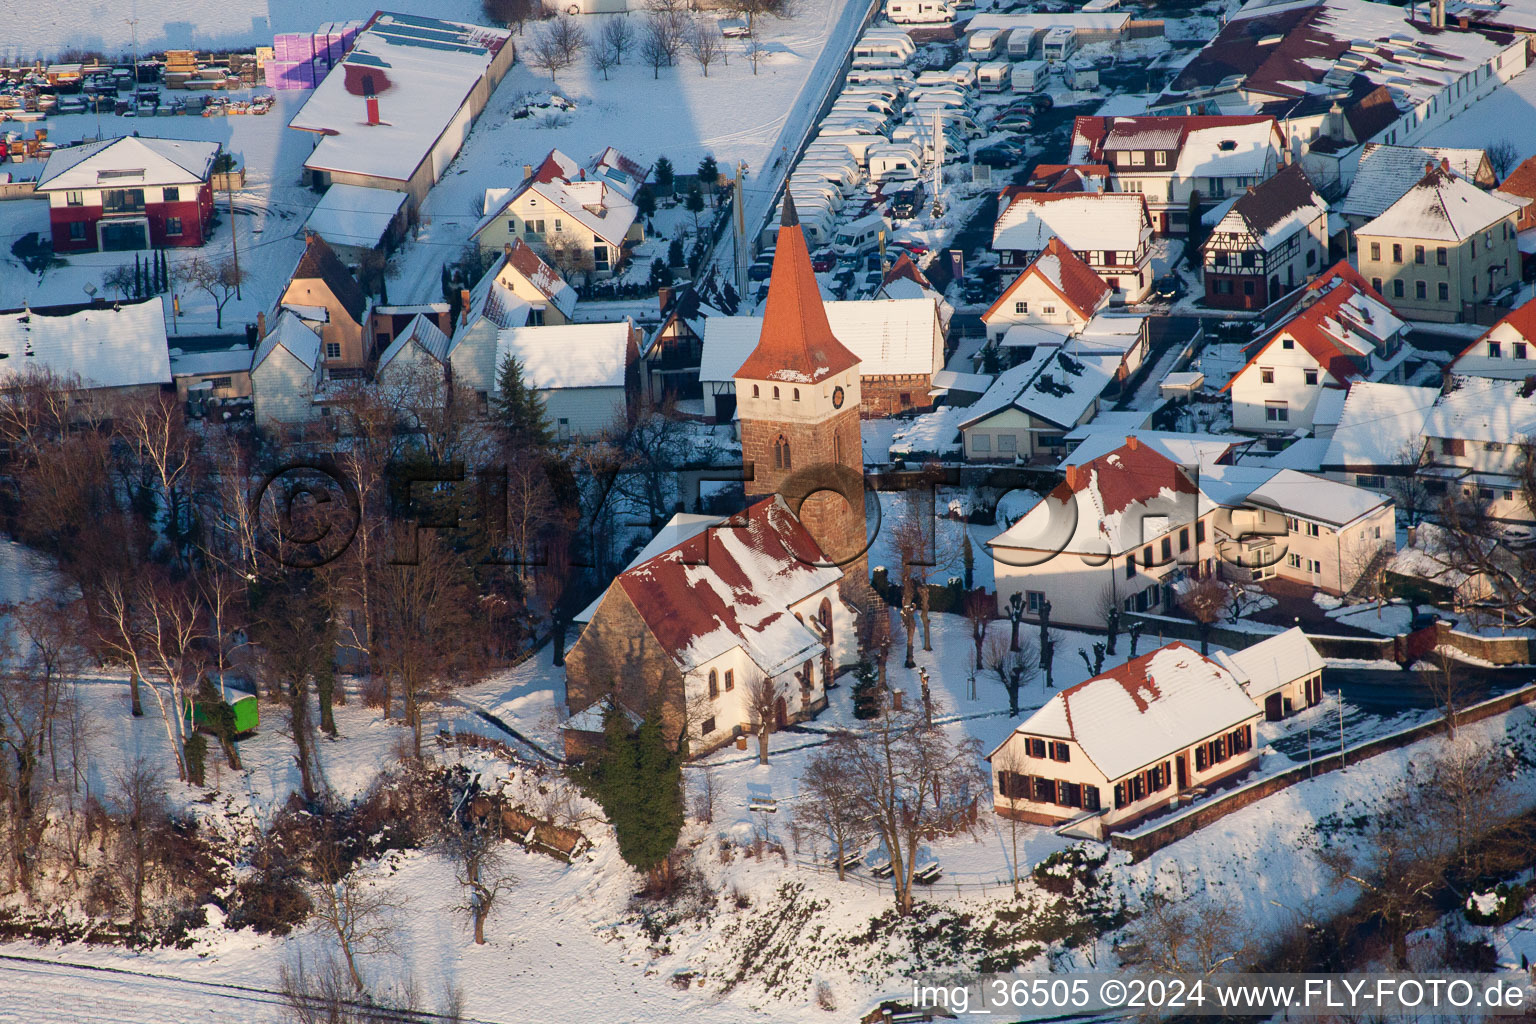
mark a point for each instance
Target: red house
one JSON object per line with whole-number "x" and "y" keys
{"x": 129, "y": 193}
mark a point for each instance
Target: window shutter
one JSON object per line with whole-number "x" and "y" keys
{"x": 1120, "y": 794}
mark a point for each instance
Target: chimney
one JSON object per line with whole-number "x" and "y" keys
{"x": 1445, "y": 164}
{"x": 663, "y": 299}
{"x": 261, "y": 325}
{"x": 1429, "y": 167}
{"x": 373, "y": 109}
{"x": 582, "y": 174}
{"x": 1132, "y": 443}
{"x": 1074, "y": 476}
{"x": 506, "y": 248}
{"x": 527, "y": 171}
{"x": 463, "y": 301}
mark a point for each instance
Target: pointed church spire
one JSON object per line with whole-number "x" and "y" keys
{"x": 796, "y": 343}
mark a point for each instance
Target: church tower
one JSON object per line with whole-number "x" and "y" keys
{"x": 797, "y": 401}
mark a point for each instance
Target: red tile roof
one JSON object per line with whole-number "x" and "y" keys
{"x": 1095, "y": 130}
{"x": 1521, "y": 180}
{"x": 1521, "y": 318}
{"x": 1129, "y": 474}
{"x": 541, "y": 275}
{"x": 905, "y": 268}
{"x": 796, "y": 343}
{"x": 1080, "y": 287}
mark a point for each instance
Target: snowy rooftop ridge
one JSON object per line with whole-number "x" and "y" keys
{"x": 128, "y": 161}
{"x": 111, "y": 346}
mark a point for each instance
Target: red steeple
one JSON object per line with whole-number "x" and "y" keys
{"x": 796, "y": 343}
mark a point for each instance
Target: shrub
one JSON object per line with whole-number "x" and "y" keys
{"x": 1500, "y": 906}
{"x": 1058, "y": 872}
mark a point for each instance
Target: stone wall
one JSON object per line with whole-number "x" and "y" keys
{"x": 881, "y": 394}
{"x": 617, "y": 653}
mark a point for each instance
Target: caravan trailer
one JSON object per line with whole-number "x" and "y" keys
{"x": 1060, "y": 43}
{"x": 894, "y": 162}
{"x": 881, "y": 49}
{"x": 855, "y": 146}
{"x": 847, "y": 175}
{"x": 995, "y": 76}
{"x": 919, "y": 12}
{"x": 896, "y": 78}
{"x": 987, "y": 44}
{"x": 1023, "y": 42}
{"x": 1030, "y": 76}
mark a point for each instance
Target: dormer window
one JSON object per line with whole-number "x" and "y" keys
{"x": 1138, "y": 159}
{"x": 1162, "y": 159}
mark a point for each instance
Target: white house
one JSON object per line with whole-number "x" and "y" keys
{"x": 1056, "y": 289}
{"x": 519, "y": 290}
{"x": 1475, "y": 435}
{"x": 1506, "y": 351}
{"x": 582, "y": 371}
{"x": 1028, "y": 409}
{"x": 1337, "y": 331}
{"x": 415, "y": 365}
{"x": 1127, "y": 744}
{"x": 1272, "y": 239}
{"x": 1380, "y": 433}
{"x": 119, "y": 348}
{"x": 1282, "y": 674}
{"x": 1111, "y": 232}
{"x": 1386, "y": 172}
{"x": 285, "y": 372}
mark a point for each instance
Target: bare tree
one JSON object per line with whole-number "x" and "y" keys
{"x": 912, "y": 783}
{"x": 618, "y": 36}
{"x": 138, "y": 802}
{"x": 568, "y": 254}
{"x": 359, "y": 913}
{"x": 557, "y": 45}
{"x": 1479, "y": 546}
{"x": 654, "y": 47}
{"x": 1449, "y": 687}
{"x": 762, "y": 699}
{"x": 706, "y": 43}
{"x": 980, "y": 609}
{"x": 605, "y": 58}
{"x": 1013, "y": 668}
{"x": 705, "y": 795}
{"x": 1503, "y": 157}
{"x": 1205, "y": 600}
{"x": 755, "y": 50}
{"x": 168, "y": 453}
{"x": 119, "y": 279}
{"x": 476, "y": 845}
{"x": 511, "y": 13}
{"x": 219, "y": 280}
{"x": 830, "y": 808}
{"x": 1009, "y": 763}
{"x": 1197, "y": 934}
{"x": 671, "y": 29}
{"x": 1408, "y": 486}
{"x": 754, "y": 9}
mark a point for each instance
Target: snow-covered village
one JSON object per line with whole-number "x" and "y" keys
{"x": 765, "y": 511}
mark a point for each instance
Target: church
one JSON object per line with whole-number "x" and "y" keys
{"x": 724, "y": 620}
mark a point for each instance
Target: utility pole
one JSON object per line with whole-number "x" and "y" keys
{"x": 740, "y": 220}
{"x": 234, "y": 236}
{"x": 1341, "y": 728}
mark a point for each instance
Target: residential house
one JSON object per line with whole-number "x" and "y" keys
{"x": 1520, "y": 187}
{"x": 1380, "y": 435}
{"x": 1385, "y": 173}
{"x": 905, "y": 281}
{"x": 386, "y": 323}
{"x": 1027, "y": 411}
{"x": 519, "y": 290}
{"x": 585, "y": 224}
{"x": 1282, "y": 674}
{"x": 899, "y": 344}
{"x": 417, "y": 356}
{"x": 1068, "y": 178}
{"x": 673, "y": 352}
{"x": 1336, "y": 331}
{"x": 1441, "y": 249}
{"x": 355, "y": 220}
{"x": 117, "y": 349}
{"x": 1506, "y": 351}
{"x": 397, "y": 109}
{"x": 323, "y": 292}
{"x": 1475, "y": 437}
{"x": 1272, "y": 239}
{"x": 734, "y": 606}
{"x": 1126, "y": 744}
{"x": 1180, "y": 162}
{"x": 1110, "y": 232}
{"x": 1056, "y": 290}
{"x": 286, "y": 371}
{"x": 585, "y": 373}
{"x": 129, "y": 193}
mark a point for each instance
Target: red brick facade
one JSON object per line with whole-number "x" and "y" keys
{"x": 195, "y": 215}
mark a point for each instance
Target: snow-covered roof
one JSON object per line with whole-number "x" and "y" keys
{"x": 1386, "y": 172}
{"x": 1234, "y": 150}
{"x": 732, "y": 587}
{"x": 1483, "y": 409}
{"x": 1272, "y": 662}
{"x": 1382, "y": 425}
{"x": 889, "y": 336}
{"x": 596, "y": 205}
{"x": 1066, "y": 274}
{"x": 1442, "y": 206}
{"x": 421, "y": 70}
{"x": 955, "y": 380}
{"x": 355, "y": 216}
{"x": 592, "y": 717}
{"x": 1108, "y": 505}
{"x": 128, "y": 162}
{"x": 1304, "y": 454}
{"x": 1144, "y": 711}
{"x": 1188, "y": 450}
{"x": 198, "y": 364}
{"x": 682, "y": 526}
{"x": 1085, "y": 221}
{"x": 543, "y": 278}
{"x": 1275, "y": 209}
{"x": 568, "y": 356}
{"x": 108, "y": 347}
{"x": 1051, "y": 385}
{"x": 290, "y": 333}
{"x": 1312, "y": 497}
{"x": 422, "y": 332}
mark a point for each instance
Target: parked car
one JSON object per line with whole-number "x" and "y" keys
{"x": 914, "y": 248}
{"x": 1015, "y": 121}
{"x": 907, "y": 203}
{"x": 995, "y": 156}
{"x": 1042, "y": 101}
{"x": 1168, "y": 288}
{"x": 823, "y": 260}
{"x": 760, "y": 271}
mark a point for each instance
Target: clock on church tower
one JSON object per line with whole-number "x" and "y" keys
{"x": 797, "y": 402}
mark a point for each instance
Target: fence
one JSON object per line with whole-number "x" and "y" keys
{"x": 17, "y": 190}
{"x": 1144, "y": 842}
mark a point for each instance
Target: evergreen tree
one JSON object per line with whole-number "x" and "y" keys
{"x": 519, "y": 408}
{"x": 661, "y": 274}
{"x": 664, "y": 175}
{"x": 675, "y": 253}
{"x": 645, "y": 202}
{"x": 694, "y": 204}
{"x": 383, "y": 291}
{"x": 138, "y": 277}
{"x": 709, "y": 173}
{"x": 163, "y": 283}
{"x": 638, "y": 780}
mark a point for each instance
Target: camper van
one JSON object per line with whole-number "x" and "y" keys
{"x": 1060, "y": 43}
{"x": 862, "y": 235}
{"x": 883, "y": 48}
{"x": 949, "y": 95}
{"x": 995, "y": 76}
{"x": 846, "y": 176}
{"x": 896, "y": 78}
{"x": 807, "y": 187}
{"x": 1081, "y": 74}
{"x": 987, "y": 43}
{"x": 879, "y": 106}
{"x": 889, "y": 94}
{"x": 851, "y": 125}
{"x": 836, "y": 146}
{"x": 919, "y": 12}
{"x": 894, "y": 162}
{"x": 1030, "y": 76}
{"x": 1023, "y": 42}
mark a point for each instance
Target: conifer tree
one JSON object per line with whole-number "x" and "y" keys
{"x": 138, "y": 277}
{"x": 709, "y": 173}
{"x": 664, "y": 174}
{"x": 519, "y": 408}
{"x": 638, "y": 780}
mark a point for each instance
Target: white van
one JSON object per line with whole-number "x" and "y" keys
{"x": 949, "y": 95}
{"x": 894, "y": 162}
{"x": 1030, "y": 76}
{"x": 987, "y": 43}
{"x": 862, "y": 235}
{"x": 1060, "y": 43}
{"x": 995, "y": 76}
{"x": 919, "y": 12}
